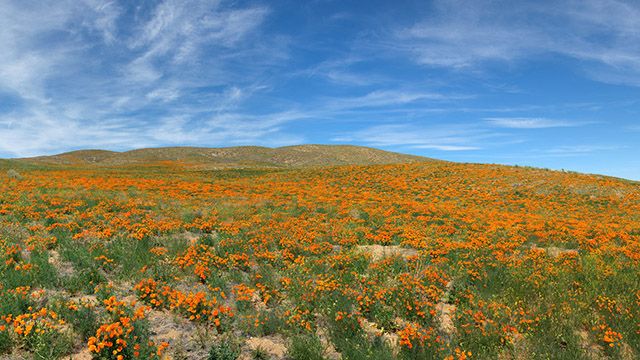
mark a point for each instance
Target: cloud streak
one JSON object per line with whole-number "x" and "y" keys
{"x": 530, "y": 123}
{"x": 464, "y": 35}
{"x": 452, "y": 137}
{"x": 101, "y": 74}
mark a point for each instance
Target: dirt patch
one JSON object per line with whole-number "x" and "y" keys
{"x": 191, "y": 237}
{"x": 555, "y": 252}
{"x": 82, "y": 355}
{"x": 18, "y": 354}
{"x": 85, "y": 299}
{"x": 372, "y": 331}
{"x": 256, "y": 301}
{"x": 274, "y": 346}
{"x": 330, "y": 351}
{"x": 445, "y": 319}
{"x": 379, "y": 252}
{"x": 626, "y": 352}
{"x": 64, "y": 268}
{"x": 445, "y": 313}
{"x": 356, "y": 214}
{"x": 519, "y": 349}
{"x": 591, "y": 350}
{"x": 177, "y": 331}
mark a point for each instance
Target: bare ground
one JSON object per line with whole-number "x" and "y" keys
{"x": 379, "y": 252}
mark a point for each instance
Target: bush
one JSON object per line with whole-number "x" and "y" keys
{"x": 260, "y": 354}
{"x": 306, "y": 347}
{"x": 41, "y": 332}
{"x": 50, "y": 345}
{"x": 5, "y": 342}
{"x": 223, "y": 351}
{"x": 12, "y": 174}
{"x": 126, "y": 336}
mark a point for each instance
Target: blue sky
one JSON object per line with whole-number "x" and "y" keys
{"x": 542, "y": 83}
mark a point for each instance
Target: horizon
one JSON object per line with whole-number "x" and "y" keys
{"x": 314, "y": 144}
{"x": 539, "y": 84}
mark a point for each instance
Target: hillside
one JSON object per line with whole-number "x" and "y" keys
{"x": 234, "y": 157}
{"x": 428, "y": 260}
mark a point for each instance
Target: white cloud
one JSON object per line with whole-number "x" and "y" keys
{"x": 167, "y": 94}
{"x": 25, "y": 60}
{"x": 576, "y": 150}
{"x": 230, "y": 128}
{"x": 462, "y": 37}
{"x": 386, "y": 98}
{"x": 451, "y": 137}
{"x": 341, "y": 71}
{"x": 106, "y": 13}
{"x": 95, "y": 74}
{"x": 462, "y": 34}
{"x": 530, "y": 123}
{"x": 37, "y": 133}
{"x": 180, "y": 29}
{"x": 448, "y": 147}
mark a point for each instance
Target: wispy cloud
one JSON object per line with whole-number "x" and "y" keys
{"x": 462, "y": 36}
{"x": 387, "y": 98}
{"x": 102, "y": 74}
{"x": 341, "y": 71}
{"x": 39, "y": 133}
{"x": 530, "y": 123}
{"x": 577, "y": 150}
{"x": 230, "y": 128}
{"x": 178, "y": 31}
{"x": 447, "y": 147}
{"x": 452, "y": 137}
{"x": 467, "y": 34}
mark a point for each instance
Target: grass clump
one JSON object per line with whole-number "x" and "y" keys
{"x": 306, "y": 347}
{"x": 224, "y": 351}
{"x": 13, "y": 174}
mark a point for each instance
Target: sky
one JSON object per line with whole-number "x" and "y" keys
{"x": 553, "y": 84}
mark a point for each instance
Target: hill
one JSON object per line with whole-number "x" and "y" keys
{"x": 235, "y": 157}
{"x": 429, "y": 260}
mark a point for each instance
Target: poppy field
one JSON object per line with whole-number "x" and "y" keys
{"x": 431, "y": 260}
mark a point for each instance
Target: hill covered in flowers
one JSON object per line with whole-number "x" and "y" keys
{"x": 427, "y": 260}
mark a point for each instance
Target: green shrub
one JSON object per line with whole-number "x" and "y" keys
{"x": 5, "y": 342}
{"x": 50, "y": 345}
{"x": 12, "y": 174}
{"x": 260, "y": 354}
{"x": 306, "y": 347}
{"x": 223, "y": 351}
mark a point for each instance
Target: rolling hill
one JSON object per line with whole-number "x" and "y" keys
{"x": 234, "y": 157}
{"x": 412, "y": 261}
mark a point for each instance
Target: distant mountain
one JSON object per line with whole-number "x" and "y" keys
{"x": 235, "y": 157}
